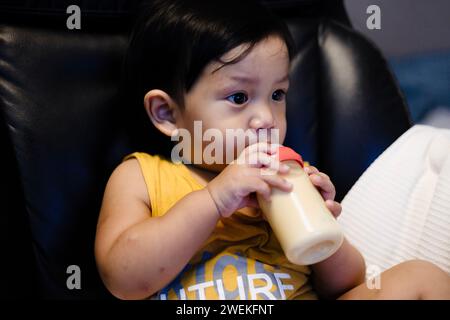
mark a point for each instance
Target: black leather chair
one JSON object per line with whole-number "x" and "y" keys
{"x": 65, "y": 126}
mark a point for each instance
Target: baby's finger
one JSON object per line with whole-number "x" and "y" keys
{"x": 252, "y": 152}
{"x": 262, "y": 147}
{"x": 258, "y": 159}
{"x": 262, "y": 189}
{"x": 334, "y": 207}
{"x": 324, "y": 175}
{"x": 277, "y": 182}
{"x": 263, "y": 160}
{"x": 325, "y": 185}
{"x": 310, "y": 170}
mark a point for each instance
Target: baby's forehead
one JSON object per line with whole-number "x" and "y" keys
{"x": 246, "y": 69}
{"x": 247, "y": 72}
{"x": 267, "y": 57}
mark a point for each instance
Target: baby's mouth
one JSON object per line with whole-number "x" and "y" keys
{"x": 257, "y": 138}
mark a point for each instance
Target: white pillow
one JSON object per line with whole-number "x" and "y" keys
{"x": 438, "y": 117}
{"x": 399, "y": 209}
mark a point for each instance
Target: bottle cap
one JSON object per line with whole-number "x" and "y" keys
{"x": 286, "y": 153}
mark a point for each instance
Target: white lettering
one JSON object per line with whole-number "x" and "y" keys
{"x": 264, "y": 289}
{"x": 74, "y": 280}
{"x": 282, "y": 287}
{"x": 220, "y": 289}
{"x": 201, "y": 288}
{"x": 374, "y": 20}
{"x": 74, "y": 20}
{"x": 241, "y": 288}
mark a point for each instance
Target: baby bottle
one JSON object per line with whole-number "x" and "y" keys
{"x": 305, "y": 228}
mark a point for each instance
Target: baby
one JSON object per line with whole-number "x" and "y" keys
{"x": 193, "y": 229}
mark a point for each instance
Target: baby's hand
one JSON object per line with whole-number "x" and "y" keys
{"x": 235, "y": 187}
{"x": 326, "y": 188}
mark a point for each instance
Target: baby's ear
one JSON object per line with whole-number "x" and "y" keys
{"x": 162, "y": 111}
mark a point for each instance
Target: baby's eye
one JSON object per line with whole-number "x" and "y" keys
{"x": 278, "y": 95}
{"x": 238, "y": 98}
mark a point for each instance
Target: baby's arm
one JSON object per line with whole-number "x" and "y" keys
{"x": 127, "y": 236}
{"x": 346, "y": 268}
{"x": 138, "y": 255}
{"x": 340, "y": 273}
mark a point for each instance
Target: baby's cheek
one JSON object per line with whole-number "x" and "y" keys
{"x": 280, "y": 130}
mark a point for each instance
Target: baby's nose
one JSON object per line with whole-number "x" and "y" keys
{"x": 262, "y": 121}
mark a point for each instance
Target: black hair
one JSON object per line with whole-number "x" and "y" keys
{"x": 172, "y": 42}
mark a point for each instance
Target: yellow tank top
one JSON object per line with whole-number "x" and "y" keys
{"x": 242, "y": 259}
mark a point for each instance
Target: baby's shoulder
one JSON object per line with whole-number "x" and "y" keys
{"x": 127, "y": 177}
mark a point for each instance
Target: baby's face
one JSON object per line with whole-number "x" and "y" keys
{"x": 248, "y": 95}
